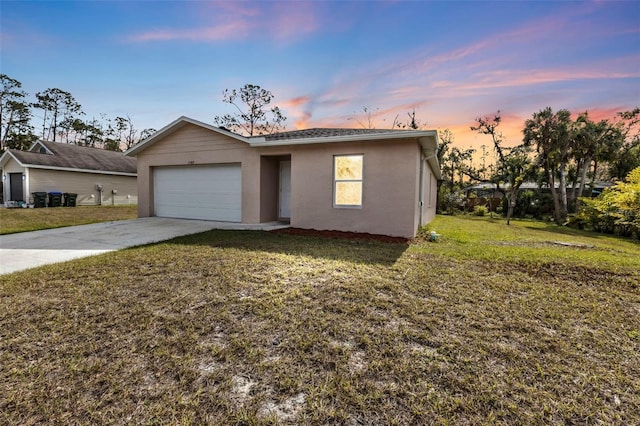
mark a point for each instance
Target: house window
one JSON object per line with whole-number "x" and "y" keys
{"x": 347, "y": 180}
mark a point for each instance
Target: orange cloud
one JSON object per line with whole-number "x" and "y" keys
{"x": 303, "y": 122}
{"x": 296, "y": 102}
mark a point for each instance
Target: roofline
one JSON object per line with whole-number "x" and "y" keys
{"x": 399, "y": 134}
{"x": 428, "y": 139}
{"x": 70, "y": 169}
{"x": 175, "y": 125}
{"x": 64, "y": 169}
{"x": 5, "y": 155}
{"x": 260, "y": 141}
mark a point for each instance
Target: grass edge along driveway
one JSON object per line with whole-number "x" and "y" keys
{"x": 24, "y": 220}
{"x": 526, "y": 324}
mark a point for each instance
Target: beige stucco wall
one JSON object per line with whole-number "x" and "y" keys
{"x": 391, "y": 181}
{"x": 389, "y": 188}
{"x": 430, "y": 194}
{"x": 84, "y": 184}
{"x": 193, "y": 145}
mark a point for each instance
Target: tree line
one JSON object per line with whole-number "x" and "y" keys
{"x": 59, "y": 118}
{"x": 563, "y": 154}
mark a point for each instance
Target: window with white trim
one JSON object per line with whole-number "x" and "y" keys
{"x": 347, "y": 180}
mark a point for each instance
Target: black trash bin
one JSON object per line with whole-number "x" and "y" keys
{"x": 55, "y": 199}
{"x": 70, "y": 199}
{"x": 39, "y": 199}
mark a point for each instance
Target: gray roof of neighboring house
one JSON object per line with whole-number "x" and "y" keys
{"x": 67, "y": 156}
{"x": 324, "y": 132}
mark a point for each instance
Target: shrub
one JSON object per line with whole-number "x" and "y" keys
{"x": 480, "y": 210}
{"x": 616, "y": 210}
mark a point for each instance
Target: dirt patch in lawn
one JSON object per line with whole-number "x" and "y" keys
{"x": 342, "y": 235}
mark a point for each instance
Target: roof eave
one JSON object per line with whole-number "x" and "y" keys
{"x": 429, "y": 144}
{"x": 71, "y": 169}
{"x": 261, "y": 141}
{"x": 5, "y": 158}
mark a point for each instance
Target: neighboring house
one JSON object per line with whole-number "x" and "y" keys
{"x": 356, "y": 180}
{"x": 58, "y": 167}
{"x": 479, "y": 193}
{"x": 489, "y": 189}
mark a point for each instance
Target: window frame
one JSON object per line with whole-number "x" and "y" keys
{"x": 336, "y": 181}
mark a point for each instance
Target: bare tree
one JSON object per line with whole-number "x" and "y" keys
{"x": 60, "y": 105}
{"x": 253, "y": 116}
{"x": 513, "y": 163}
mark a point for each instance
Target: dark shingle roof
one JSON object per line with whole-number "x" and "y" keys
{"x": 324, "y": 133}
{"x": 77, "y": 157}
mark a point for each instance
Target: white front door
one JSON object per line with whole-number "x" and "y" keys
{"x": 284, "y": 211}
{"x": 212, "y": 192}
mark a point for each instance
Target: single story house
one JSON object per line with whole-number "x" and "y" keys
{"x": 489, "y": 189}
{"x": 354, "y": 180}
{"x": 96, "y": 175}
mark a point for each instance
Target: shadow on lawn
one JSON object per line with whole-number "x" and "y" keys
{"x": 349, "y": 250}
{"x": 594, "y": 235}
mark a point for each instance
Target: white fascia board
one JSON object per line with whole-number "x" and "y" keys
{"x": 175, "y": 125}
{"x": 5, "y": 158}
{"x": 260, "y": 141}
{"x": 69, "y": 169}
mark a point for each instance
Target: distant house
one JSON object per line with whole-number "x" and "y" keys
{"x": 489, "y": 189}
{"x": 480, "y": 193}
{"x": 96, "y": 175}
{"x": 355, "y": 180}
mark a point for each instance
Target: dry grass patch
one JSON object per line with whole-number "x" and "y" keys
{"x": 258, "y": 328}
{"x": 24, "y": 220}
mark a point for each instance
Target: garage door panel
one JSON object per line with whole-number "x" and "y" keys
{"x": 199, "y": 192}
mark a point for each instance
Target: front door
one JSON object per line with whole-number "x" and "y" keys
{"x": 284, "y": 209}
{"x": 15, "y": 183}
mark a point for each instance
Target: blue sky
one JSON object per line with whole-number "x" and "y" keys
{"x": 324, "y": 61}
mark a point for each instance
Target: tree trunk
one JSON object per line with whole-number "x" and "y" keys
{"x": 44, "y": 121}
{"x": 583, "y": 178}
{"x": 574, "y": 184}
{"x": 593, "y": 178}
{"x": 563, "y": 190}
{"x": 554, "y": 194}
{"x": 55, "y": 123}
{"x": 512, "y": 200}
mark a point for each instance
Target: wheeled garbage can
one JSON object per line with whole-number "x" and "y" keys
{"x": 70, "y": 199}
{"x": 55, "y": 199}
{"x": 39, "y": 199}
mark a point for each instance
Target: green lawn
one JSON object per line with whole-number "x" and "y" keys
{"x": 527, "y": 324}
{"x": 24, "y": 220}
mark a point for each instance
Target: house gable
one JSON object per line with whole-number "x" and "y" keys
{"x": 40, "y": 147}
{"x": 175, "y": 126}
{"x": 191, "y": 142}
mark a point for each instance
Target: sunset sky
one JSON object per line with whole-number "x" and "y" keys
{"x": 324, "y": 61}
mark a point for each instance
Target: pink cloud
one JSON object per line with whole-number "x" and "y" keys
{"x": 239, "y": 20}
{"x": 232, "y": 30}
{"x": 293, "y": 19}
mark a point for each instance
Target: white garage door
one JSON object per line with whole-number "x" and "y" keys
{"x": 199, "y": 192}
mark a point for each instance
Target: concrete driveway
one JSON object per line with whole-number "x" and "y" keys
{"x": 31, "y": 249}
